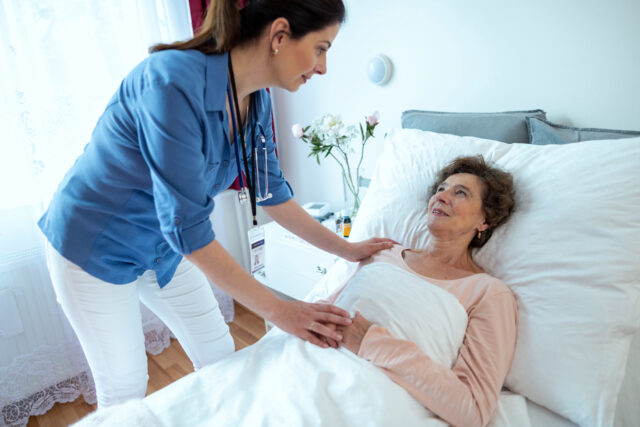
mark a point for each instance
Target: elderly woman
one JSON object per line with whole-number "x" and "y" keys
{"x": 468, "y": 201}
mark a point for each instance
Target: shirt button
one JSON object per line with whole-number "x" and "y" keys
{"x": 158, "y": 260}
{"x": 217, "y": 186}
{"x": 225, "y": 163}
{"x": 177, "y": 221}
{"x": 211, "y": 168}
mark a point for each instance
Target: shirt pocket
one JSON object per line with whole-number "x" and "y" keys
{"x": 219, "y": 176}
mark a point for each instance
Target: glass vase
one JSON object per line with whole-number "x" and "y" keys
{"x": 351, "y": 197}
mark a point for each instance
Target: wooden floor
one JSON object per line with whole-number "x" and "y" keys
{"x": 165, "y": 368}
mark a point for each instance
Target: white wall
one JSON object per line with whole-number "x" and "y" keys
{"x": 577, "y": 59}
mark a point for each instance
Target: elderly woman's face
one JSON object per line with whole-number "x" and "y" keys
{"x": 456, "y": 208}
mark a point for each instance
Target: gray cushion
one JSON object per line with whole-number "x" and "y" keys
{"x": 508, "y": 126}
{"x": 542, "y": 132}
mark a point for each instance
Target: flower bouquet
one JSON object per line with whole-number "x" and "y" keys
{"x": 329, "y": 137}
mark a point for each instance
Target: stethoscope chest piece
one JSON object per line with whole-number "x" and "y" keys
{"x": 243, "y": 196}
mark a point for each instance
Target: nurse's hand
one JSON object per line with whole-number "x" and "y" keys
{"x": 357, "y": 251}
{"x": 332, "y": 343}
{"x": 310, "y": 321}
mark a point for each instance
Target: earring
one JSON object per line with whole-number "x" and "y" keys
{"x": 275, "y": 52}
{"x": 479, "y": 234}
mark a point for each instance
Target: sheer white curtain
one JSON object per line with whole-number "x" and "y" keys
{"x": 60, "y": 62}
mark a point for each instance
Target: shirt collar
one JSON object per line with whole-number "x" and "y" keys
{"x": 216, "y": 83}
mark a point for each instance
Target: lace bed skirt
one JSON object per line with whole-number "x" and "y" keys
{"x": 43, "y": 366}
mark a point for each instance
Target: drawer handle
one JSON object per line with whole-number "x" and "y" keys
{"x": 321, "y": 270}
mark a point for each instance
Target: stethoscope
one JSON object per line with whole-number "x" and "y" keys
{"x": 247, "y": 187}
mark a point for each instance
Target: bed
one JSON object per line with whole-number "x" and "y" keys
{"x": 570, "y": 254}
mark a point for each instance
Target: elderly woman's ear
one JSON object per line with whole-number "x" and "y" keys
{"x": 483, "y": 225}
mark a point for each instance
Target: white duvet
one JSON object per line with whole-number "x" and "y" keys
{"x": 283, "y": 381}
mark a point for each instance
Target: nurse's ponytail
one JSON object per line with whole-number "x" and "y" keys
{"x": 218, "y": 33}
{"x": 226, "y": 25}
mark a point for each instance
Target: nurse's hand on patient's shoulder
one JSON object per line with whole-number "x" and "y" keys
{"x": 357, "y": 251}
{"x": 311, "y": 321}
{"x": 353, "y": 334}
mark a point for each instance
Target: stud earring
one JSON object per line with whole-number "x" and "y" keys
{"x": 479, "y": 234}
{"x": 275, "y": 52}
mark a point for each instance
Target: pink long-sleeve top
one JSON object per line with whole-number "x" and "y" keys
{"x": 467, "y": 393}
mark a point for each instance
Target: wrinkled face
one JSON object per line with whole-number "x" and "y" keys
{"x": 298, "y": 60}
{"x": 456, "y": 208}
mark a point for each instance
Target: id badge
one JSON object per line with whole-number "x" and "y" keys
{"x": 256, "y": 246}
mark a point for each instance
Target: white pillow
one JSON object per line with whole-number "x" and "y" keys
{"x": 570, "y": 253}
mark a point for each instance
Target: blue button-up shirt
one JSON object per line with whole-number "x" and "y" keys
{"x": 142, "y": 192}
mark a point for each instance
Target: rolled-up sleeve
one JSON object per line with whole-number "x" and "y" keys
{"x": 278, "y": 186}
{"x": 171, "y": 141}
{"x": 467, "y": 393}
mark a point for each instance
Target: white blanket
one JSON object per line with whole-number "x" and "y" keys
{"x": 283, "y": 381}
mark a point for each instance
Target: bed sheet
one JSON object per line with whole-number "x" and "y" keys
{"x": 307, "y": 386}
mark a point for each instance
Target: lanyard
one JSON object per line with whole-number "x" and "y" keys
{"x": 234, "y": 116}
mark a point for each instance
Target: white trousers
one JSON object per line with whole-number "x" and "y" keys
{"x": 108, "y": 323}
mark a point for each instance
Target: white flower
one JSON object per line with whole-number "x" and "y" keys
{"x": 350, "y": 132}
{"x": 331, "y": 124}
{"x": 297, "y": 130}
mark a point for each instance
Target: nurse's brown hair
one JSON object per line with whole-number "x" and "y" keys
{"x": 226, "y": 25}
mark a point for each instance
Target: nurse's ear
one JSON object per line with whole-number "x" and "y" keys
{"x": 278, "y": 33}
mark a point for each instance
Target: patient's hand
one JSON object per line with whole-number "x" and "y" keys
{"x": 353, "y": 334}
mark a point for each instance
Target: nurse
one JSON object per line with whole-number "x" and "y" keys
{"x": 130, "y": 219}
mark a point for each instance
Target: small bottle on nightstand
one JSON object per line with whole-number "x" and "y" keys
{"x": 346, "y": 226}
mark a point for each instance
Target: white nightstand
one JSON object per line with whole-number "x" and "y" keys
{"x": 292, "y": 266}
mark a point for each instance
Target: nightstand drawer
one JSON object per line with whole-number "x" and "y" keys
{"x": 309, "y": 262}
{"x": 293, "y": 266}
{"x": 289, "y": 282}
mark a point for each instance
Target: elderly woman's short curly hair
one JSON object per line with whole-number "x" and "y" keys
{"x": 498, "y": 198}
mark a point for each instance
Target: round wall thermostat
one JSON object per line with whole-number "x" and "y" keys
{"x": 379, "y": 69}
